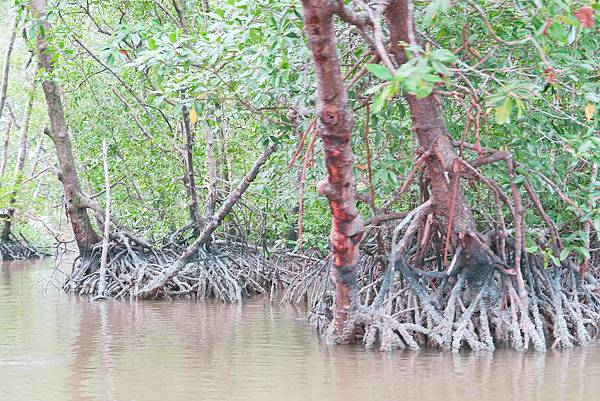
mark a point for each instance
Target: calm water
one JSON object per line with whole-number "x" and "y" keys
{"x": 56, "y": 347}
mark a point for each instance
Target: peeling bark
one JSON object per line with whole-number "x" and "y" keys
{"x": 478, "y": 298}
{"x": 443, "y": 167}
{"x": 75, "y": 201}
{"x": 335, "y": 123}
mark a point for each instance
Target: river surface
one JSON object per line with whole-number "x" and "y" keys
{"x": 59, "y": 347}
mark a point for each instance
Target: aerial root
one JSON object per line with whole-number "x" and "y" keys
{"x": 491, "y": 292}
{"x": 456, "y": 311}
{"x": 16, "y": 249}
{"x": 227, "y": 273}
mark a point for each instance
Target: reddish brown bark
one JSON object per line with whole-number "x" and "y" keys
{"x": 335, "y": 123}
{"x": 75, "y": 201}
{"x": 432, "y": 136}
{"x": 441, "y": 163}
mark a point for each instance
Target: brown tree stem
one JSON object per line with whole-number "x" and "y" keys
{"x": 431, "y": 130}
{"x": 307, "y": 159}
{"x": 107, "y": 213}
{"x": 190, "y": 179}
{"x": 85, "y": 235}
{"x": 5, "y": 144}
{"x": 368, "y": 150}
{"x": 335, "y": 123}
{"x": 211, "y": 168}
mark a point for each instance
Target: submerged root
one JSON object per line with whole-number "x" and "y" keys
{"x": 226, "y": 272}
{"x": 474, "y": 306}
{"x": 16, "y": 249}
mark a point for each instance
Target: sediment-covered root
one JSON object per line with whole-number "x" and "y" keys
{"x": 227, "y": 272}
{"x": 477, "y": 304}
{"x": 15, "y": 249}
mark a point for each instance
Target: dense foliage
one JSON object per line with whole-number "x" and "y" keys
{"x": 518, "y": 76}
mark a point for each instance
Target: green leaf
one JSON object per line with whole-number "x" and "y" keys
{"x": 378, "y": 138}
{"x": 431, "y": 78}
{"x": 380, "y": 72}
{"x": 173, "y": 37}
{"x": 378, "y": 102}
{"x": 198, "y": 107}
{"x": 440, "y": 68}
{"x": 584, "y": 252}
{"x": 423, "y": 90}
{"x": 564, "y": 254}
{"x": 584, "y": 147}
{"x": 572, "y": 35}
{"x": 159, "y": 100}
{"x": 387, "y": 92}
{"x": 152, "y": 44}
{"x": 592, "y": 97}
{"x": 136, "y": 39}
{"x": 443, "y": 55}
{"x": 372, "y": 90}
{"x": 503, "y": 111}
{"x": 434, "y": 8}
{"x": 558, "y": 32}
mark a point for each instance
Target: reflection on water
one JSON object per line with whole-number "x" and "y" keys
{"x": 57, "y": 347}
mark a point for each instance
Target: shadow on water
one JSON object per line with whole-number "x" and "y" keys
{"x": 59, "y": 347}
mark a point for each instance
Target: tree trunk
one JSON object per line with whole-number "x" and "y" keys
{"x": 442, "y": 167}
{"x": 19, "y": 164}
{"x": 75, "y": 201}
{"x": 335, "y": 123}
{"x": 211, "y": 169}
{"x": 225, "y": 159}
{"x": 38, "y": 154}
{"x": 180, "y": 8}
{"x": 431, "y": 131}
{"x": 106, "y": 234}
{"x": 190, "y": 180}
{"x": 5, "y": 144}
{"x": 5, "y": 70}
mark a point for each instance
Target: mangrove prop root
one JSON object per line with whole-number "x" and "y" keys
{"x": 477, "y": 307}
{"x": 477, "y": 304}
{"x": 15, "y": 249}
{"x": 227, "y": 272}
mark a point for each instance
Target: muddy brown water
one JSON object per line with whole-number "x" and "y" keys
{"x": 59, "y": 347}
